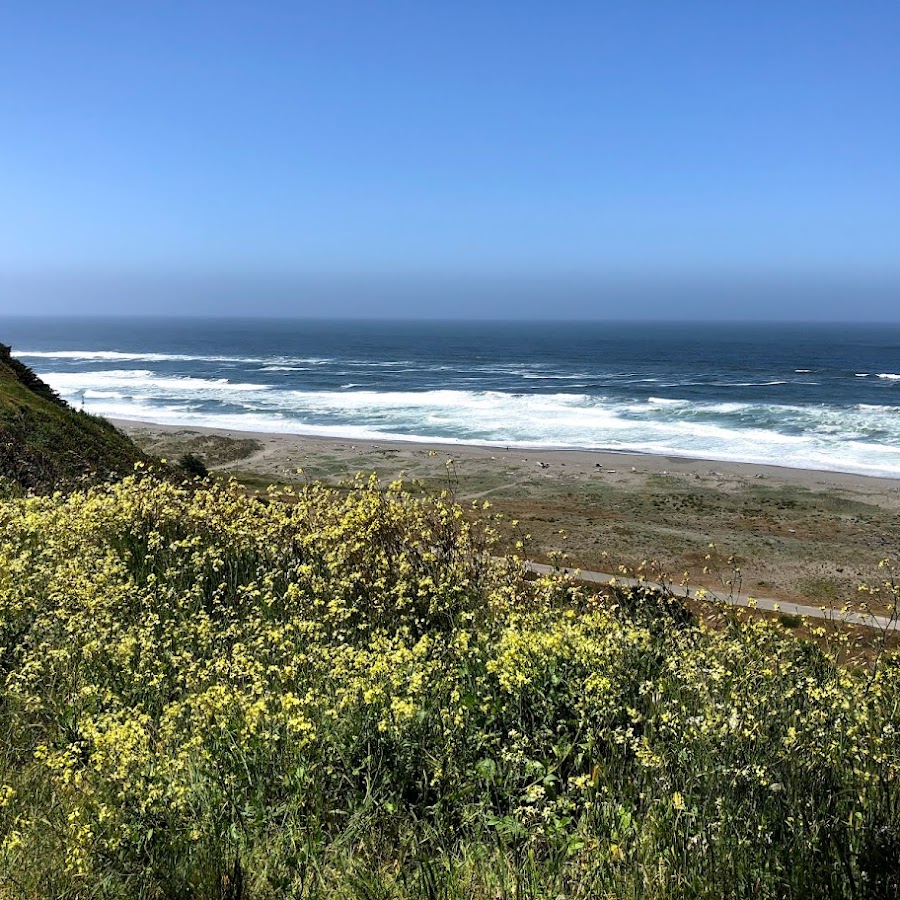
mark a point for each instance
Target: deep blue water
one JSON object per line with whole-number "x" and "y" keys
{"x": 818, "y": 396}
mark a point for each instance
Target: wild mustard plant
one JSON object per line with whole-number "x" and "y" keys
{"x": 327, "y": 693}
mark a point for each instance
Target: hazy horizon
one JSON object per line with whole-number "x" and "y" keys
{"x": 742, "y": 298}
{"x": 426, "y": 160}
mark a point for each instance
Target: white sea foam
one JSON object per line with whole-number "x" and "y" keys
{"x": 376, "y": 364}
{"x": 267, "y": 363}
{"x": 116, "y": 355}
{"x": 303, "y": 361}
{"x": 890, "y": 376}
{"x": 862, "y": 438}
{"x": 727, "y": 409}
{"x": 534, "y": 376}
{"x": 141, "y": 380}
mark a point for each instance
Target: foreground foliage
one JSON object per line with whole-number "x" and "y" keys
{"x": 332, "y": 695}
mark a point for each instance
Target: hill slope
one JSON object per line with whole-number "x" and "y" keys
{"x": 45, "y": 444}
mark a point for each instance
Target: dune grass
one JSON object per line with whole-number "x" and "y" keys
{"x": 323, "y": 694}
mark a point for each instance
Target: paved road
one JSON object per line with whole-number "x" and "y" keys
{"x": 813, "y": 612}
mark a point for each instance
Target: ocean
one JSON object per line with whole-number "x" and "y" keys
{"x": 810, "y": 396}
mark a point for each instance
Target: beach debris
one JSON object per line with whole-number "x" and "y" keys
{"x": 544, "y": 465}
{"x": 598, "y": 466}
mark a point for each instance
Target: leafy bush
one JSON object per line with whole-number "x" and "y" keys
{"x": 335, "y": 695}
{"x": 193, "y": 465}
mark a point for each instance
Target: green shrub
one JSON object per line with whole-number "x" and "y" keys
{"x": 193, "y": 465}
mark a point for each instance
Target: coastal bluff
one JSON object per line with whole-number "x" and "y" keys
{"x": 45, "y": 444}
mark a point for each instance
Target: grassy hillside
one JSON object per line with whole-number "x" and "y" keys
{"x": 336, "y": 695}
{"x": 45, "y": 444}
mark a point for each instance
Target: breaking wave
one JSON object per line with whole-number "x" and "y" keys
{"x": 863, "y": 438}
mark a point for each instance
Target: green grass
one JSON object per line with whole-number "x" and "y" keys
{"x": 46, "y": 445}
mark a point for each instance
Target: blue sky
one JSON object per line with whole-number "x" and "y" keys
{"x": 367, "y": 145}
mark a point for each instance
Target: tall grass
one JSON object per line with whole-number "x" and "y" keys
{"x": 332, "y": 695}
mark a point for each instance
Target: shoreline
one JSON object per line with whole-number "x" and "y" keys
{"x": 607, "y": 462}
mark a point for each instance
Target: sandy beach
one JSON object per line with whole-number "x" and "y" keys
{"x": 802, "y": 535}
